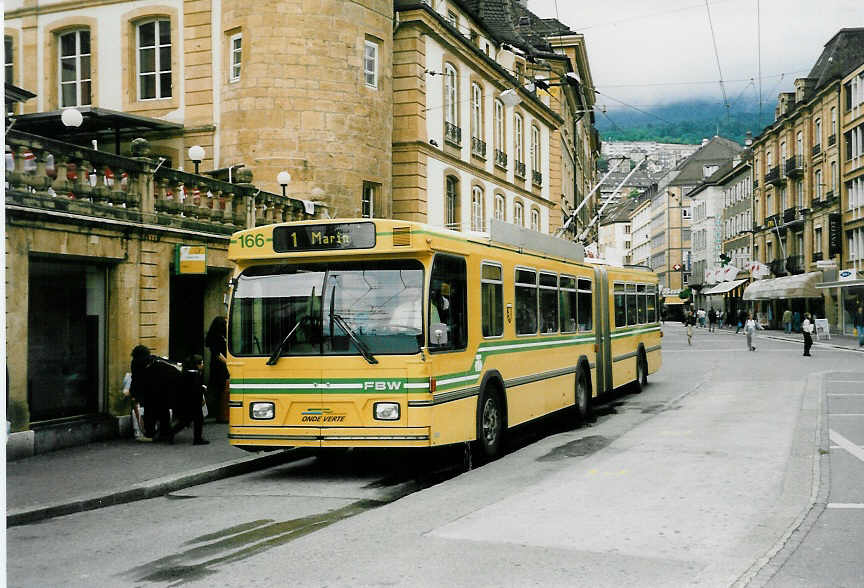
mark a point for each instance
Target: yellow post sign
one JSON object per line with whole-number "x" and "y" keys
{"x": 190, "y": 259}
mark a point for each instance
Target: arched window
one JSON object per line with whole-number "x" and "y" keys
{"x": 451, "y": 213}
{"x": 535, "y": 219}
{"x": 499, "y": 207}
{"x": 535, "y": 148}
{"x": 451, "y": 95}
{"x": 477, "y": 206}
{"x": 519, "y": 214}
{"x": 74, "y": 66}
{"x": 499, "y": 128}
{"x": 476, "y": 111}
{"x": 517, "y": 130}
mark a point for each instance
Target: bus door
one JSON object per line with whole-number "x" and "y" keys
{"x": 603, "y": 329}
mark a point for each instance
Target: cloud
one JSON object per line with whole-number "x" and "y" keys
{"x": 655, "y": 53}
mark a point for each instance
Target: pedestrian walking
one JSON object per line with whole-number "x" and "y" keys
{"x": 859, "y": 323}
{"x": 690, "y": 322}
{"x": 153, "y": 381}
{"x": 750, "y": 327}
{"x": 712, "y": 320}
{"x": 787, "y": 321}
{"x": 190, "y": 398}
{"x": 807, "y": 329}
{"x": 701, "y": 315}
{"x": 216, "y": 342}
{"x": 796, "y": 321}
{"x": 742, "y": 318}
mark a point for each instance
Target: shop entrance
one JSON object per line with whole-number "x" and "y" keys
{"x": 186, "y": 317}
{"x": 65, "y": 339}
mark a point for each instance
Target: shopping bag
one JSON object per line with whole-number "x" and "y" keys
{"x": 204, "y": 410}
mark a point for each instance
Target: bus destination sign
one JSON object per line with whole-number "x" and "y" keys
{"x": 324, "y": 237}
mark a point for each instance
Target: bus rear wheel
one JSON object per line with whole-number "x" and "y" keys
{"x": 641, "y": 372}
{"x": 490, "y": 423}
{"x": 584, "y": 410}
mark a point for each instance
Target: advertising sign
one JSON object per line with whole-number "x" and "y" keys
{"x": 835, "y": 234}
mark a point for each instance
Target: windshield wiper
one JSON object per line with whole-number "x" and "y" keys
{"x": 274, "y": 357}
{"x": 361, "y": 347}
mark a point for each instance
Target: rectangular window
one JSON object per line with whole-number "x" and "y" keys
{"x": 548, "y": 303}
{"x": 367, "y": 201}
{"x": 586, "y": 308}
{"x": 526, "y": 302}
{"x": 499, "y": 125}
{"x": 236, "y": 57}
{"x": 448, "y": 304}
{"x": 651, "y": 302}
{"x": 817, "y": 240}
{"x": 620, "y": 305}
{"x": 451, "y": 114}
{"x": 517, "y": 130}
{"x": 75, "y": 77}
{"x": 631, "y": 304}
{"x": 642, "y": 304}
{"x": 154, "y": 59}
{"x": 8, "y": 59}
{"x": 567, "y": 301}
{"x": 370, "y": 64}
{"x": 535, "y": 149}
{"x": 492, "y": 296}
{"x": 476, "y": 111}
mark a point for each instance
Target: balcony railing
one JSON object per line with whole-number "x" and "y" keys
{"x": 817, "y": 149}
{"x": 794, "y": 166}
{"x": 536, "y": 178}
{"x": 501, "y": 159}
{"x": 829, "y": 196}
{"x": 520, "y": 169}
{"x": 755, "y": 183}
{"x": 832, "y": 139}
{"x": 50, "y": 175}
{"x": 778, "y": 267}
{"x": 795, "y": 264}
{"x": 452, "y": 134}
{"x": 478, "y": 147}
{"x": 773, "y": 176}
{"x": 817, "y": 256}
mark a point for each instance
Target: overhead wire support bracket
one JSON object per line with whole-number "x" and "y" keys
{"x": 584, "y": 233}
{"x": 574, "y": 215}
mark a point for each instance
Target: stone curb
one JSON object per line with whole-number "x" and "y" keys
{"x": 154, "y": 488}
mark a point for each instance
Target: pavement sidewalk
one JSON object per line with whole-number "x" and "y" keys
{"x": 122, "y": 470}
{"x": 836, "y": 341}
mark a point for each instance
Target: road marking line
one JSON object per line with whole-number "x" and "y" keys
{"x": 845, "y": 505}
{"x": 846, "y": 444}
{"x": 846, "y": 394}
{"x": 846, "y": 414}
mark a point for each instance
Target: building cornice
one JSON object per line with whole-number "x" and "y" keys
{"x": 59, "y": 7}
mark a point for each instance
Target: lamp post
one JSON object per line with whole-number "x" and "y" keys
{"x": 283, "y": 178}
{"x": 196, "y": 154}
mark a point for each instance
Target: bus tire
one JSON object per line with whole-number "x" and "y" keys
{"x": 641, "y": 372}
{"x": 490, "y": 422}
{"x": 582, "y": 404}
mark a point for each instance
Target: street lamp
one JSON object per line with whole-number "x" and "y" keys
{"x": 196, "y": 154}
{"x": 283, "y": 178}
{"x": 71, "y": 117}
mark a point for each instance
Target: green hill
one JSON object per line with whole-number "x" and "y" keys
{"x": 685, "y": 122}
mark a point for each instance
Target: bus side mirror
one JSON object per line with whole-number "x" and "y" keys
{"x": 438, "y": 334}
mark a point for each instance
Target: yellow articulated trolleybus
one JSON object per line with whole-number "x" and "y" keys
{"x": 383, "y": 333}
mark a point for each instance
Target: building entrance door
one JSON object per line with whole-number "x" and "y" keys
{"x": 186, "y": 317}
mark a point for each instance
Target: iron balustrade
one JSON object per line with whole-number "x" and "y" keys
{"x": 817, "y": 149}
{"x": 795, "y": 264}
{"x": 817, "y": 256}
{"x": 778, "y": 267}
{"x": 537, "y": 178}
{"x": 794, "y": 165}
{"x": 520, "y": 169}
{"x": 501, "y": 159}
{"x": 478, "y": 147}
{"x": 452, "y": 134}
{"x": 831, "y": 140}
{"x": 773, "y": 175}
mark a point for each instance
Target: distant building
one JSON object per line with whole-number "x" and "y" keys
{"x": 614, "y": 235}
{"x": 661, "y": 156}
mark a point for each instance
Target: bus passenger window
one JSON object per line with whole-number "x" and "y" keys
{"x": 642, "y": 310}
{"x": 491, "y": 294}
{"x": 448, "y": 304}
{"x": 651, "y": 301}
{"x": 526, "y": 302}
{"x": 567, "y": 302}
{"x": 586, "y": 310}
{"x": 620, "y": 306}
{"x": 631, "y": 304}
{"x": 548, "y": 303}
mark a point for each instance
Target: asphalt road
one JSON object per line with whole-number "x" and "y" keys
{"x": 731, "y": 468}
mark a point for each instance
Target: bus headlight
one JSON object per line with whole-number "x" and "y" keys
{"x": 386, "y": 411}
{"x": 260, "y": 411}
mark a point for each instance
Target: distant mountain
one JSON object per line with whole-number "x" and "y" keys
{"x": 685, "y": 122}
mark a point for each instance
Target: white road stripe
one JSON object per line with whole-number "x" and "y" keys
{"x": 846, "y": 444}
{"x": 855, "y": 505}
{"x": 846, "y": 394}
{"x": 846, "y": 414}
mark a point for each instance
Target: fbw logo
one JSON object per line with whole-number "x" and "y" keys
{"x": 385, "y": 386}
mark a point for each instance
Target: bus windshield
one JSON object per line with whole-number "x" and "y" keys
{"x": 348, "y": 308}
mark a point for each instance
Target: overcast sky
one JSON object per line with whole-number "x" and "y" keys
{"x": 645, "y": 53}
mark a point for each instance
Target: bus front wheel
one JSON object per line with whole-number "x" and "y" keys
{"x": 490, "y": 423}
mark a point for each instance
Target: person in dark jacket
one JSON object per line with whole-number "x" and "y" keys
{"x": 712, "y": 320}
{"x": 189, "y": 399}
{"x": 216, "y": 342}
{"x": 153, "y": 381}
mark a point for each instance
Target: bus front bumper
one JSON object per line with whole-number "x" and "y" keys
{"x": 265, "y": 437}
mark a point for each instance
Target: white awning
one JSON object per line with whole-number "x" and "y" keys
{"x": 723, "y": 287}
{"x": 800, "y": 286}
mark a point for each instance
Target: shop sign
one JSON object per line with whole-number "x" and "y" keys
{"x": 846, "y": 275}
{"x": 835, "y": 234}
{"x": 190, "y": 260}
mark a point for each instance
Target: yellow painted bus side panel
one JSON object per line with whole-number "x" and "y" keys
{"x": 453, "y": 422}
